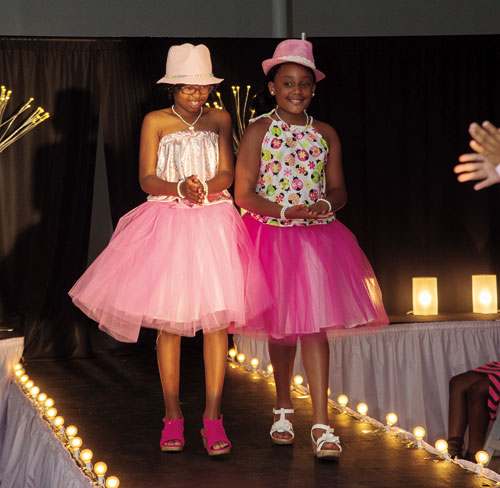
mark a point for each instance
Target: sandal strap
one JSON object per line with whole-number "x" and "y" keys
{"x": 282, "y": 425}
{"x": 327, "y": 437}
{"x": 215, "y": 432}
{"x": 282, "y": 411}
{"x": 173, "y": 430}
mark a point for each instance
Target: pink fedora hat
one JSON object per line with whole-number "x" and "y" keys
{"x": 188, "y": 64}
{"x": 293, "y": 51}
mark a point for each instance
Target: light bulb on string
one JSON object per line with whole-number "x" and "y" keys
{"x": 112, "y": 482}
{"x": 482, "y": 458}
{"x": 298, "y": 380}
{"x": 75, "y": 444}
{"x": 70, "y": 432}
{"x": 100, "y": 469}
{"x": 254, "y": 363}
{"x": 419, "y": 433}
{"x": 270, "y": 369}
{"x": 442, "y": 446}
{"x": 343, "y": 400}
{"x": 241, "y": 358}
{"x": 390, "y": 419}
{"x": 362, "y": 409}
{"x": 86, "y": 457}
{"x": 232, "y": 353}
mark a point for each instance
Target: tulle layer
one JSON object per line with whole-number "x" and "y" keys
{"x": 320, "y": 281}
{"x": 174, "y": 268}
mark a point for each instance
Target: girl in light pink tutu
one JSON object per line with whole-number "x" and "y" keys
{"x": 289, "y": 176}
{"x": 182, "y": 261}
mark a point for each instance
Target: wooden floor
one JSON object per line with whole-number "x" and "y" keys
{"x": 116, "y": 402}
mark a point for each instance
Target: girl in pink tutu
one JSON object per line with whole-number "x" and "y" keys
{"x": 182, "y": 261}
{"x": 289, "y": 177}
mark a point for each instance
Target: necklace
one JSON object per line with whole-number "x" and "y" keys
{"x": 288, "y": 125}
{"x": 191, "y": 126}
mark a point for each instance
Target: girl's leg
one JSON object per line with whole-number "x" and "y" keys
{"x": 282, "y": 358}
{"x": 215, "y": 354}
{"x": 479, "y": 417}
{"x": 168, "y": 351}
{"x": 316, "y": 360}
{"x": 458, "y": 413}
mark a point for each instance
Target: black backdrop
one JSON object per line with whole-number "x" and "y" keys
{"x": 400, "y": 105}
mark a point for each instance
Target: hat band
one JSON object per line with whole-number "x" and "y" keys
{"x": 190, "y": 76}
{"x": 300, "y": 60}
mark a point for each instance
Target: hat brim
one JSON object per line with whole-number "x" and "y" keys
{"x": 191, "y": 80}
{"x": 270, "y": 63}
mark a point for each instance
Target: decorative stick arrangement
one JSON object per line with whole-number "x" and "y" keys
{"x": 242, "y": 111}
{"x": 17, "y": 125}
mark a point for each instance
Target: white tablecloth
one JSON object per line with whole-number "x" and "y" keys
{"x": 11, "y": 351}
{"x": 31, "y": 455}
{"x": 404, "y": 368}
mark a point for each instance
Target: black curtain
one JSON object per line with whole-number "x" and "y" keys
{"x": 400, "y": 105}
{"x": 46, "y": 192}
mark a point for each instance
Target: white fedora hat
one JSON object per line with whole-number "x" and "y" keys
{"x": 189, "y": 64}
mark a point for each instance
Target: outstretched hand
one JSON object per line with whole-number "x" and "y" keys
{"x": 481, "y": 165}
{"x": 476, "y": 167}
{"x": 193, "y": 190}
{"x": 318, "y": 210}
{"x": 486, "y": 141}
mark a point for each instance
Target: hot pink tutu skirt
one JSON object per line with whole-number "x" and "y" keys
{"x": 319, "y": 278}
{"x": 174, "y": 268}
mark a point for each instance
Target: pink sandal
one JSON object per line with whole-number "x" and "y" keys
{"x": 173, "y": 431}
{"x": 212, "y": 432}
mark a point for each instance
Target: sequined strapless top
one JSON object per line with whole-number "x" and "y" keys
{"x": 185, "y": 153}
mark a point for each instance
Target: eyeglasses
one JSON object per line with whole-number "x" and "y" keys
{"x": 191, "y": 90}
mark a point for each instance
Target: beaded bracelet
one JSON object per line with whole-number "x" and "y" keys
{"x": 205, "y": 188}
{"x": 179, "y": 189}
{"x": 327, "y": 202}
{"x": 282, "y": 212}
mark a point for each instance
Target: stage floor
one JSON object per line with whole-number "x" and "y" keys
{"x": 116, "y": 402}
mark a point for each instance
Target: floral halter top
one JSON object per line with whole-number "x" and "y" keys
{"x": 292, "y": 169}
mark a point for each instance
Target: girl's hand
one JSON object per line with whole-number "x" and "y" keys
{"x": 315, "y": 211}
{"x": 319, "y": 210}
{"x": 193, "y": 190}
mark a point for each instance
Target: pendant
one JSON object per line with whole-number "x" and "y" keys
{"x": 191, "y": 127}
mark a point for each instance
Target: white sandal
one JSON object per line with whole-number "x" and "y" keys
{"x": 282, "y": 425}
{"x": 327, "y": 437}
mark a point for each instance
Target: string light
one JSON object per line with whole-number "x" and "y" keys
{"x": 254, "y": 363}
{"x": 75, "y": 444}
{"x": 419, "y": 433}
{"x": 71, "y": 432}
{"x": 86, "y": 457}
{"x": 390, "y": 419}
{"x": 112, "y": 482}
{"x": 343, "y": 400}
{"x": 100, "y": 469}
{"x": 442, "y": 446}
{"x": 59, "y": 424}
{"x": 482, "y": 458}
{"x": 232, "y": 353}
{"x": 29, "y": 384}
{"x": 240, "y": 357}
{"x": 298, "y": 380}
{"x": 270, "y": 369}
{"x": 18, "y": 366}
{"x": 362, "y": 409}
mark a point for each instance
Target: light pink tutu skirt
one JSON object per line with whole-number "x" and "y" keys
{"x": 319, "y": 278}
{"x": 174, "y": 268}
